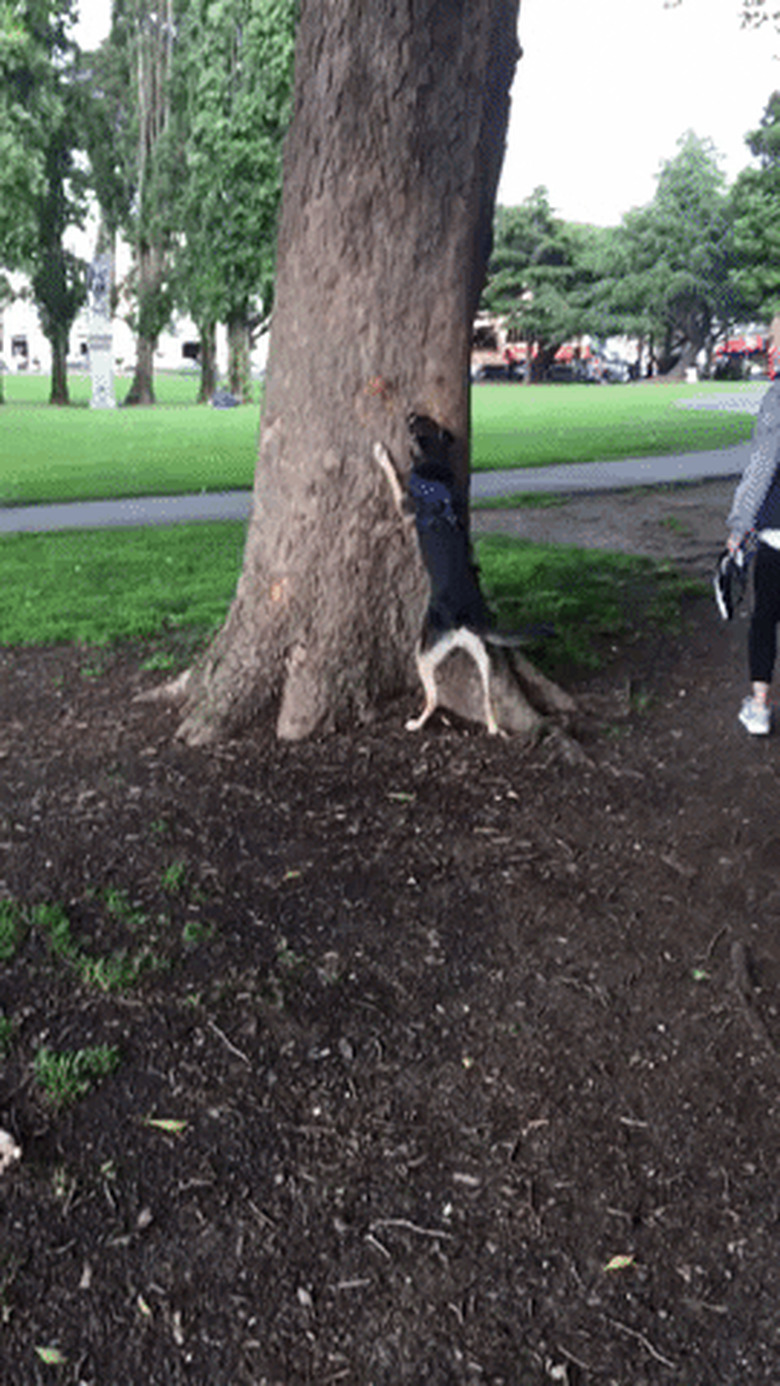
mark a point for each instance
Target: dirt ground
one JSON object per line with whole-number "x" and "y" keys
{"x": 683, "y": 523}
{"x": 475, "y": 1051}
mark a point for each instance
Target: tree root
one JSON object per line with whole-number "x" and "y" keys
{"x": 744, "y": 991}
{"x": 523, "y": 698}
{"x": 173, "y": 692}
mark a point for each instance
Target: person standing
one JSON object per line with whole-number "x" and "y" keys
{"x": 755, "y": 510}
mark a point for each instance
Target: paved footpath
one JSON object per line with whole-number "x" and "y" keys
{"x": 235, "y": 505}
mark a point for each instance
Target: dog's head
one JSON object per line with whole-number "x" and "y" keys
{"x": 430, "y": 446}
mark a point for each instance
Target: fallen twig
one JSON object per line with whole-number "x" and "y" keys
{"x": 411, "y": 1227}
{"x": 646, "y": 1344}
{"x": 221, "y": 1035}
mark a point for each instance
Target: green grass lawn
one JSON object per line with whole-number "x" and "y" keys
{"x": 49, "y": 454}
{"x": 95, "y": 586}
{"x": 178, "y": 447}
{"x": 172, "y": 586}
{"x": 536, "y": 426}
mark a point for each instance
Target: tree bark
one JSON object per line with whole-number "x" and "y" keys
{"x": 391, "y": 168}
{"x": 239, "y": 382}
{"x": 58, "y": 340}
{"x": 150, "y": 263}
{"x": 141, "y": 390}
{"x": 208, "y": 362}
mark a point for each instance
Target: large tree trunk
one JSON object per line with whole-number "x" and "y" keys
{"x": 391, "y": 168}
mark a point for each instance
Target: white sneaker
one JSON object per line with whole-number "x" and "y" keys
{"x": 756, "y": 717}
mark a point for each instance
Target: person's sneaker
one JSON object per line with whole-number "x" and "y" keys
{"x": 756, "y": 717}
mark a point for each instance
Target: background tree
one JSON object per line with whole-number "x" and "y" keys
{"x": 670, "y": 273}
{"x": 21, "y": 155}
{"x": 690, "y": 228}
{"x": 536, "y": 278}
{"x": 42, "y": 182}
{"x": 755, "y": 12}
{"x": 754, "y": 203}
{"x": 236, "y": 71}
{"x": 138, "y": 186}
{"x": 391, "y": 168}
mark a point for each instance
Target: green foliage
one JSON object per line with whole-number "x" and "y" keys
{"x": 537, "y": 274}
{"x": 754, "y": 204}
{"x": 6, "y": 1031}
{"x": 669, "y": 274}
{"x": 665, "y": 273}
{"x": 42, "y": 182}
{"x": 235, "y": 72}
{"x": 69, "y": 1075}
{"x": 21, "y": 154}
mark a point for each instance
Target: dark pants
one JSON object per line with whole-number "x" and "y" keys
{"x": 762, "y": 640}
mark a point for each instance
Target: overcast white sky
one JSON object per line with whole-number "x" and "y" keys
{"x": 605, "y": 90}
{"x": 607, "y": 87}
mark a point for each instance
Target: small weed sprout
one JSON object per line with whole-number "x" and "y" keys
{"x": 69, "y": 1075}
{"x": 159, "y": 662}
{"x": 13, "y": 927}
{"x": 120, "y": 907}
{"x": 117, "y": 972}
{"x": 173, "y": 877}
{"x": 197, "y": 931}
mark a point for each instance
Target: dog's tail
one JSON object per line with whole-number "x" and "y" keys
{"x": 512, "y": 639}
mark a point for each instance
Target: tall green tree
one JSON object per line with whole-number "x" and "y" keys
{"x": 21, "y": 155}
{"x": 689, "y": 281}
{"x": 42, "y": 180}
{"x": 236, "y": 70}
{"x": 137, "y": 169}
{"x": 670, "y": 278}
{"x": 152, "y": 35}
{"x": 537, "y": 277}
{"x": 755, "y": 210}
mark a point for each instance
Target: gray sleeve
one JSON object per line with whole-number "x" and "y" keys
{"x": 761, "y": 465}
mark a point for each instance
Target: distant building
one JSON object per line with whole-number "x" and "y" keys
{"x": 23, "y": 346}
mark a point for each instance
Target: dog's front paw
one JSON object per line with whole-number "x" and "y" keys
{"x": 382, "y": 456}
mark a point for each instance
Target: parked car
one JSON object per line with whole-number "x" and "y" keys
{"x": 614, "y": 370}
{"x": 504, "y": 372}
{"x": 570, "y": 372}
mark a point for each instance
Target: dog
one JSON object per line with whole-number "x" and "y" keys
{"x": 457, "y": 616}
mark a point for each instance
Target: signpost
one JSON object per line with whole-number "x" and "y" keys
{"x": 101, "y": 344}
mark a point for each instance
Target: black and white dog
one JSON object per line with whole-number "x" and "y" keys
{"x": 457, "y": 615}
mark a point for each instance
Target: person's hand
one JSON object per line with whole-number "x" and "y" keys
{"x": 733, "y": 542}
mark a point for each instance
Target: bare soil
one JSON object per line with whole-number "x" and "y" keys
{"x": 685, "y": 524}
{"x": 451, "y": 1024}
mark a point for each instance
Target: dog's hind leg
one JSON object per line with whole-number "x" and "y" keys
{"x": 469, "y": 640}
{"x": 427, "y": 661}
